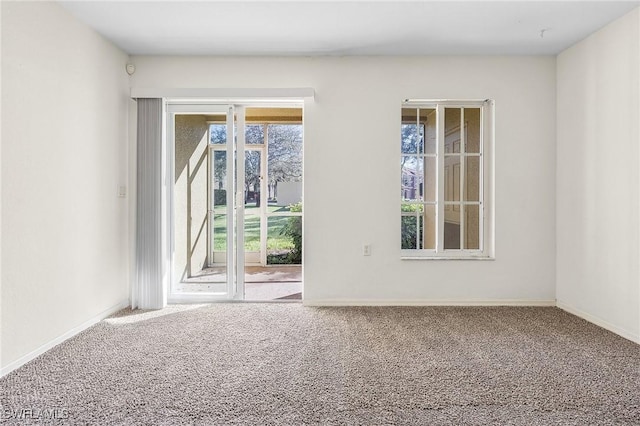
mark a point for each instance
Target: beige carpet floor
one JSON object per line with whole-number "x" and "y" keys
{"x": 272, "y": 364}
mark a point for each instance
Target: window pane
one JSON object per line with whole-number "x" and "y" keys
{"x": 452, "y": 178}
{"x": 219, "y": 180}
{"x": 419, "y": 227}
{"x": 218, "y": 133}
{"x": 472, "y": 129}
{"x": 252, "y": 172}
{"x": 409, "y": 115}
{"x": 429, "y": 133}
{"x": 252, "y": 200}
{"x": 430, "y": 173}
{"x": 284, "y": 163}
{"x": 451, "y": 130}
{"x": 429, "y": 225}
{"x": 411, "y": 229}
{"x": 472, "y": 179}
{"x": 411, "y": 232}
{"x": 251, "y": 232}
{"x": 412, "y": 178}
{"x": 412, "y": 208}
{"x": 418, "y": 134}
{"x": 254, "y": 134}
{"x": 410, "y": 138}
{"x": 472, "y": 227}
{"x": 220, "y": 232}
{"x": 452, "y": 227}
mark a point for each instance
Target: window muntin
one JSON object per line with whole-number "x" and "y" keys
{"x": 443, "y": 211}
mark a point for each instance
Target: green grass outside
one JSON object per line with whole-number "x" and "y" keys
{"x": 251, "y": 209}
{"x": 275, "y": 241}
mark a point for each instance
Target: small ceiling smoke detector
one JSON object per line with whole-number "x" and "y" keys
{"x": 131, "y": 69}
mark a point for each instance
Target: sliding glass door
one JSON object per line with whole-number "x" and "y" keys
{"x": 236, "y": 197}
{"x": 202, "y": 143}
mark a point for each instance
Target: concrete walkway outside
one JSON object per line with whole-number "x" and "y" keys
{"x": 261, "y": 283}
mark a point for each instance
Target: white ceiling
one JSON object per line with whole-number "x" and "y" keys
{"x": 347, "y": 27}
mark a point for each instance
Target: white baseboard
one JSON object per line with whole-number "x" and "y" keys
{"x": 427, "y": 302}
{"x": 599, "y": 322}
{"x": 42, "y": 349}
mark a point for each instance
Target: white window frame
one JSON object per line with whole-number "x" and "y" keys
{"x": 486, "y": 196}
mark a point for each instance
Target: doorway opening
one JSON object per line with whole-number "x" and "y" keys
{"x": 238, "y": 202}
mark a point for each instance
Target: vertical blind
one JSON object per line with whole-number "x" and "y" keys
{"x": 147, "y": 292}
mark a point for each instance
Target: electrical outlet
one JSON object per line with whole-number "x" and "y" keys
{"x": 122, "y": 191}
{"x": 366, "y": 249}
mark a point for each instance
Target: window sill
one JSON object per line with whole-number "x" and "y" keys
{"x": 447, "y": 258}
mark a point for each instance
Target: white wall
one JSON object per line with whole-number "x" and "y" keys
{"x": 352, "y": 147}
{"x": 1, "y": 61}
{"x": 64, "y": 143}
{"x": 597, "y": 177}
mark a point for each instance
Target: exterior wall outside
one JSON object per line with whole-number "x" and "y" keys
{"x": 598, "y": 214}
{"x": 289, "y": 193}
{"x": 64, "y": 130}
{"x": 190, "y": 195}
{"x": 352, "y": 169}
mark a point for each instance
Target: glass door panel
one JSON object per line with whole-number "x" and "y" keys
{"x": 218, "y": 211}
{"x": 202, "y": 200}
{"x": 252, "y": 205}
{"x": 284, "y": 187}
